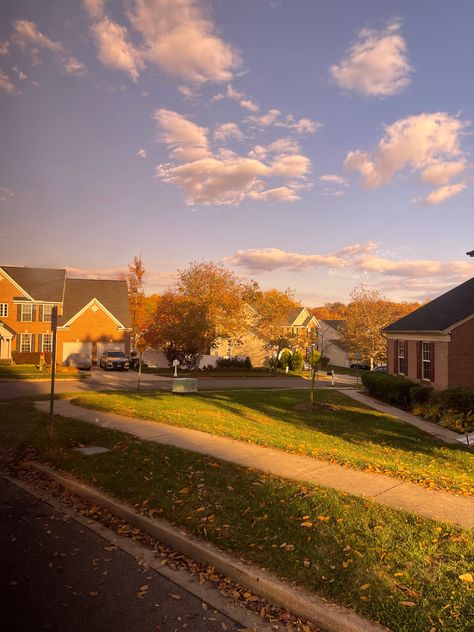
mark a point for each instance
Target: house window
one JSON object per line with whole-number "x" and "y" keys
{"x": 27, "y": 312}
{"x": 47, "y": 344}
{"x": 3, "y": 310}
{"x": 401, "y": 357}
{"x": 426, "y": 360}
{"x": 25, "y": 343}
{"x": 47, "y": 311}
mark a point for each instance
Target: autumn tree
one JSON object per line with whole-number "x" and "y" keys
{"x": 134, "y": 278}
{"x": 272, "y": 309}
{"x": 368, "y": 313}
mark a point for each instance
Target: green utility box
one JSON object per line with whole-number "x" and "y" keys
{"x": 185, "y": 385}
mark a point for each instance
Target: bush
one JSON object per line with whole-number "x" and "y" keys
{"x": 297, "y": 361}
{"x": 248, "y": 363}
{"x": 389, "y": 388}
{"x": 460, "y": 399}
{"x": 29, "y": 357}
{"x": 234, "y": 364}
{"x": 420, "y": 394}
{"x": 324, "y": 362}
{"x": 285, "y": 359}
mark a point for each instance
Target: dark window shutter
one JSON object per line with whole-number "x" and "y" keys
{"x": 33, "y": 342}
{"x": 40, "y": 342}
{"x": 40, "y": 313}
{"x": 432, "y": 361}
{"x": 418, "y": 359}
{"x": 406, "y": 357}
{"x": 395, "y": 356}
{"x": 18, "y": 342}
{"x": 18, "y": 313}
{"x": 33, "y": 313}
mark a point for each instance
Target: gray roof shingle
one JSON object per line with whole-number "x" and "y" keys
{"x": 441, "y": 313}
{"x": 112, "y": 294}
{"x": 42, "y": 284}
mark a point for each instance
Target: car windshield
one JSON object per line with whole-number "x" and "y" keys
{"x": 115, "y": 354}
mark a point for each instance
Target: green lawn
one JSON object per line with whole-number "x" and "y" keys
{"x": 388, "y": 565}
{"x": 30, "y": 372}
{"x": 339, "y": 430}
{"x": 224, "y": 373}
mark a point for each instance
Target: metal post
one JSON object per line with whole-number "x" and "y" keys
{"x": 139, "y": 370}
{"x": 54, "y": 327}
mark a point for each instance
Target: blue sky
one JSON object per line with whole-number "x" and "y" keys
{"x": 305, "y": 144}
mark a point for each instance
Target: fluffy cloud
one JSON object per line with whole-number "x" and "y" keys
{"x": 376, "y": 64}
{"x": 228, "y": 130}
{"x": 276, "y": 118}
{"x": 31, "y": 41}
{"x": 5, "y": 194}
{"x": 6, "y": 84}
{"x": 141, "y": 153}
{"x": 358, "y": 259}
{"x": 220, "y": 176}
{"x": 115, "y": 49}
{"x": 281, "y": 146}
{"x": 95, "y": 8}
{"x": 181, "y": 39}
{"x": 428, "y": 144}
{"x": 333, "y": 179}
{"x": 443, "y": 193}
{"x": 239, "y": 97}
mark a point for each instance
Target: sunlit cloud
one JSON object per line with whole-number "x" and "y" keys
{"x": 5, "y": 194}
{"x": 275, "y": 118}
{"x": 114, "y": 48}
{"x": 141, "y": 153}
{"x": 6, "y": 84}
{"x": 428, "y": 144}
{"x": 376, "y": 64}
{"x": 442, "y": 194}
{"x": 226, "y": 131}
{"x": 239, "y": 97}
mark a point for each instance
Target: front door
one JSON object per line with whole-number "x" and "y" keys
{"x": 5, "y": 347}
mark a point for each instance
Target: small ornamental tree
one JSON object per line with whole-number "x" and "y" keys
{"x": 313, "y": 358}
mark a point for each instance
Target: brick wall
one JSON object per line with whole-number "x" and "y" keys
{"x": 441, "y": 350}
{"x": 461, "y": 355}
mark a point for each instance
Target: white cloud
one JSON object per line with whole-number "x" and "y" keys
{"x": 115, "y": 49}
{"x": 5, "y": 194}
{"x": 228, "y": 130}
{"x": 443, "y": 193}
{"x": 239, "y": 97}
{"x": 376, "y": 64}
{"x": 333, "y": 179}
{"x": 95, "y": 8}
{"x": 356, "y": 259}
{"x": 276, "y": 118}
{"x": 4, "y": 48}
{"x": 428, "y": 144}
{"x": 181, "y": 38}
{"x": 141, "y": 153}
{"x": 31, "y": 41}
{"x": 6, "y": 84}
{"x": 281, "y": 146}
{"x": 222, "y": 176}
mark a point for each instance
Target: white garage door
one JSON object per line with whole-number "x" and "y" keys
{"x": 109, "y": 346}
{"x": 77, "y": 347}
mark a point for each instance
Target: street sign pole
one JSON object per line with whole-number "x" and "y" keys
{"x": 142, "y": 347}
{"x": 54, "y": 329}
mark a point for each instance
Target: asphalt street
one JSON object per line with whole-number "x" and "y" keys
{"x": 59, "y": 576}
{"x": 117, "y": 380}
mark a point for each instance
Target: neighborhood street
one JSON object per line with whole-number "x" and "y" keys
{"x": 116, "y": 380}
{"x": 57, "y": 575}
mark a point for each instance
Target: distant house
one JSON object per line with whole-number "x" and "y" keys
{"x": 94, "y": 315}
{"x": 330, "y": 343}
{"x": 298, "y": 324}
{"x": 434, "y": 345}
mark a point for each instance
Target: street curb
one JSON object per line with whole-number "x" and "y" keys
{"x": 330, "y": 617}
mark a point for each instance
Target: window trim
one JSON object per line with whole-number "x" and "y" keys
{"x": 49, "y": 306}
{"x": 3, "y": 310}
{"x": 22, "y": 339}
{"x": 50, "y": 336}
{"x": 22, "y": 314}
{"x": 401, "y": 366}
{"x": 425, "y": 346}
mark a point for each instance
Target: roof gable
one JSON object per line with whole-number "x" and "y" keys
{"x": 441, "y": 313}
{"x": 38, "y": 284}
{"x": 110, "y": 294}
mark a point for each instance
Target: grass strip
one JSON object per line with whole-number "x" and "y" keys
{"x": 339, "y": 430}
{"x": 408, "y": 572}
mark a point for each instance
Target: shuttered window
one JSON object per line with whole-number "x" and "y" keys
{"x": 47, "y": 311}
{"x": 401, "y": 348}
{"x": 25, "y": 343}
{"x": 3, "y": 310}
{"x": 426, "y": 360}
{"x": 26, "y": 312}
{"x": 47, "y": 343}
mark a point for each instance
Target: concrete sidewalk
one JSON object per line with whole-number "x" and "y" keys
{"x": 443, "y": 434}
{"x": 385, "y": 490}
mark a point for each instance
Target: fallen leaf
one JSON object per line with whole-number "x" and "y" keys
{"x": 466, "y": 578}
{"x": 364, "y": 586}
{"x": 409, "y": 604}
{"x": 184, "y": 491}
{"x": 174, "y": 596}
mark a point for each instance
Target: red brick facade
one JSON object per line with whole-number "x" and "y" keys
{"x": 461, "y": 355}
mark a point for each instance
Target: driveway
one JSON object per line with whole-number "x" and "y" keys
{"x": 100, "y": 380}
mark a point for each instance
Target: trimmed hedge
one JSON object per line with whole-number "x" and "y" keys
{"x": 392, "y": 389}
{"x": 30, "y": 357}
{"x": 460, "y": 399}
{"x": 420, "y": 394}
{"x": 234, "y": 363}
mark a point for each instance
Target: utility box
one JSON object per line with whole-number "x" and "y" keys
{"x": 185, "y": 385}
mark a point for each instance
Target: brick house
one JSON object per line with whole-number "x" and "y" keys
{"x": 434, "y": 345}
{"x": 93, "y": 315}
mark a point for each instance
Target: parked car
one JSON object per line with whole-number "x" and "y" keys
{"x": 78, "y": 361}
{"x": 114, "y": 360}
{"x": 360, "y": 365}
{"x": 382, "y": 368}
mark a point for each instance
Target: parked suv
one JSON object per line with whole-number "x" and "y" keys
{"x": 114, "y": 360}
